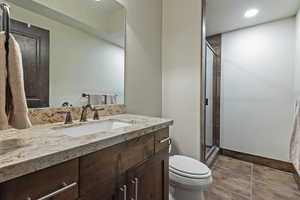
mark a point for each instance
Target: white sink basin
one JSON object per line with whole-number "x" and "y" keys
{"x": 91, "y": 128}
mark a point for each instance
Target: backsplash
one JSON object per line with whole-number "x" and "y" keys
{"x": 50, "y": 115}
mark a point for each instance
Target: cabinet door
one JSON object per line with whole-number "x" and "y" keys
{"x": 141, "y": 181}
{"x": 121, "y": 192}
{"x": 150, "y": 181}
{"x": 161, "y": 174}
{"x": 100, "y": 175}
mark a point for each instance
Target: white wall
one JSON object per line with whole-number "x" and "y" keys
{"x": 257, "y": 89}
{"x": 143, "y": 87}
{"x": 181, "y": 73}
{"x": 94, "y": 66}
{"x": 79, "y": 62}
{"x": 297, "y": 58}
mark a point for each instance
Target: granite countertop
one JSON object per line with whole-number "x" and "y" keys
{"x": 26, "y": 151}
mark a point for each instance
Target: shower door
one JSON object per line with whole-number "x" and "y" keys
{"x": 210, "y": 98}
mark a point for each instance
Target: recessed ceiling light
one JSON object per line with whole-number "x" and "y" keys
{"x": 251, "y": 13}
{"x": 97, "y": 0}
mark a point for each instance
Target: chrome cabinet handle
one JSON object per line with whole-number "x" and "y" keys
{"x": 136, "y": 188}
{"x": 166, "y": 140}
{"x": 48, "y": 196}
{"x": 124, "y": 190}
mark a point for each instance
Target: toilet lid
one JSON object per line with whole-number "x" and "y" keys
{"x": 188, "y": 167}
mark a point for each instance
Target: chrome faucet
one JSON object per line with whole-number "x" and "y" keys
{"x": 96, "y": 113}
{"x": 84, "y": 112}
{"x": 67, "y": 111}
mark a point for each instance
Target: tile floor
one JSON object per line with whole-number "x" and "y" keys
{"x": 239, "y": 180}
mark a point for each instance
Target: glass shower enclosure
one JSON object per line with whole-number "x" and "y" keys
{"x": 210, "y": 78}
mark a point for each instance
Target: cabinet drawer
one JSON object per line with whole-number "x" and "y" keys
{"x": 137, "y": 151}
{"x": 162, "y": 139}
{"x": 59, "y": 181}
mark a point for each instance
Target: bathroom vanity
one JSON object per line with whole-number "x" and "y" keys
{"x": 122, "y": 163}
{"x": 118, "y": 157}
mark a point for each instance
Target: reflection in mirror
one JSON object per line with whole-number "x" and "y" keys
{"x": 70, "y": 48}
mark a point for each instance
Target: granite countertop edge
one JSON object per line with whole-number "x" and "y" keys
{"x": 23, "y": 167}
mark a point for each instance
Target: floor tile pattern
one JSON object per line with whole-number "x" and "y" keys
{"x": 239, "y": 180}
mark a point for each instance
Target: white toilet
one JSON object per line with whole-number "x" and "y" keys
{"x": 188, "y": 178}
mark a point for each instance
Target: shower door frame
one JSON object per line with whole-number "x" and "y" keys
{"x": 209, "y": 155}
{"x": 209, "y": 160}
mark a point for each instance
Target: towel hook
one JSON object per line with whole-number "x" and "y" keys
{"x": 5, "y": 19}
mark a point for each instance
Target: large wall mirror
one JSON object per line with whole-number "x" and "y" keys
{"x": 73, "y": 50}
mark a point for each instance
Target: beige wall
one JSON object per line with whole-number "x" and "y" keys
{"x": 181, "y": 66}
{"x": 143, "y": 82}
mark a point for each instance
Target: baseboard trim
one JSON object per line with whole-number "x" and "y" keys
{"x": 276, "y": 164}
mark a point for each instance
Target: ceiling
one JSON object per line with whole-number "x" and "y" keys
{"x": 228, "y": 15}
{"x": 104, "y": 19}
{"x": 105, "y": 5}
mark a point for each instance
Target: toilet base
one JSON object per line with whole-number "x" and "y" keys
{"x": 184, "y": 194}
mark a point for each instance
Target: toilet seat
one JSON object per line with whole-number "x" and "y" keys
{"x": 188, "y": 173}
{"x": 188, "y": 167}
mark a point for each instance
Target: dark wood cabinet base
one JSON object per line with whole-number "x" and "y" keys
{"x": 135, "y": 169}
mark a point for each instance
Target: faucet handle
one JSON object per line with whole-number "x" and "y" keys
{"x": 67, "y": 111}
{"x": 84, "y": 112}
{"x": 67, "y": 105}
{"x": 96, "y": 113}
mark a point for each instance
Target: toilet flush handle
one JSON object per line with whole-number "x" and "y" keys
{"x": 169, "y": 140}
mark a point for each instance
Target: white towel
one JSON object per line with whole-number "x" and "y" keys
{"x": 97, "y": 99}
{"x": 111, "y": 99}
{"x": 295, "y": 139}
{"x": 102, "y": 99}
{"x": 3, "y": 78}
{"x": 18, "y": 114}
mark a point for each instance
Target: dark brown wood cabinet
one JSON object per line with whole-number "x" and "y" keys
{"x": 133, "y": 170}
{"x": 150, "y": 180}
{"x": 100, "y": 174}
{"x": 103, "y": 174}
{"x": 44, "y": 183}
{"x": 141, "y": 181}
{"x": 161, "y": 173}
